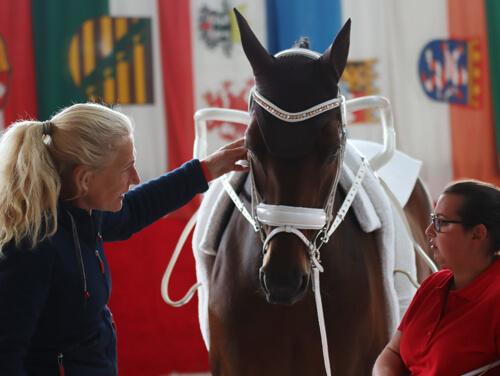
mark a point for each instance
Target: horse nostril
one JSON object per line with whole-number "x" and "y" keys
{"x": 305, "y": 283}
{"x": 262, "y": 277}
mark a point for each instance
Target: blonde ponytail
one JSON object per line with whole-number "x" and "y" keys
{"x": 29, "y": 185}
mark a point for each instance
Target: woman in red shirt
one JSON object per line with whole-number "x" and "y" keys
{"x": 452, "y": 326}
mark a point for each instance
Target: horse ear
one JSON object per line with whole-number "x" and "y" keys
{"x": 334, "y": 59}
{"x": 256, "y": 54}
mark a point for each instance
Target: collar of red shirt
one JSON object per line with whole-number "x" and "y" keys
{"x": 474, "y": 289}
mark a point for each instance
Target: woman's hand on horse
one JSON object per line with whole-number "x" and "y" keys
{"x": 225, "y": 159}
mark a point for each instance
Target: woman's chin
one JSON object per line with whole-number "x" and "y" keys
{"x": 116, "y": 206}
{"x": 438, "y": 259}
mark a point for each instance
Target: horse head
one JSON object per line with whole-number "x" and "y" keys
{"x": 295, "y": 139}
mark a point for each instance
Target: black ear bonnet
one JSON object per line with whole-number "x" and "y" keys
{"x": 294, "y": 80}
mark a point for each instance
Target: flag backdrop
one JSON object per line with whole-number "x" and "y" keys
{"x": 159, "y": 61}
{"x": 18, "y": 97}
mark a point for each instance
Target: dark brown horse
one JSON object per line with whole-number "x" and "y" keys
{"x": 262, "y": 312}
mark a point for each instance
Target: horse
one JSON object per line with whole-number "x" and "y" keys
{"x": 263, "y": 310}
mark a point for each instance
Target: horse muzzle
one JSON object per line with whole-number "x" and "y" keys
{"x": 283, "y": 290}
{"x": 286, "y": 286}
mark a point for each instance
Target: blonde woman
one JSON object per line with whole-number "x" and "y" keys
{"x": 64, "y": 190}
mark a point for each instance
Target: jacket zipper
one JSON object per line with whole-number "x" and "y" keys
{"x": 99, "y": 259}
{"x": 61, "y": 367}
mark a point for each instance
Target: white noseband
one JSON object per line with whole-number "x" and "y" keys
{"x": 290, "y": 219}
{"x": 298, "y": 217}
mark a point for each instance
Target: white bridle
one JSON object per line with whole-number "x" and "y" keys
{"x": 292, "y": 219}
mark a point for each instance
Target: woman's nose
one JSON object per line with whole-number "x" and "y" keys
{"x": 135, "y": 179}
{"x": 430, "y": 231}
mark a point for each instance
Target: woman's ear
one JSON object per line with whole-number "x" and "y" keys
{"x": 81, "y": 174}
{"x": 479, "y": 234}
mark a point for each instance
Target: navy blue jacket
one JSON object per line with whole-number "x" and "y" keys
{"x": 47, "y": 314}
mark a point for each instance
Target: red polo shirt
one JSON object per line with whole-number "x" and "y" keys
{"x": 457, "y": 338}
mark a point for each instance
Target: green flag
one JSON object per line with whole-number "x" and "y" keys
{"x": 54, "y": 24}
{"x": 492, "y": 17}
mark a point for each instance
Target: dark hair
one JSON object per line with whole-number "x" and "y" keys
{"x": 481, "y": 205}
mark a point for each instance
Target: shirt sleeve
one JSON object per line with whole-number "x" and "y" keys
{"x": 24, "y": 286}
{"x": 151, "y": 201}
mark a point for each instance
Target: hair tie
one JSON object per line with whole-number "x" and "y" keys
{"x": 46, "y": 128}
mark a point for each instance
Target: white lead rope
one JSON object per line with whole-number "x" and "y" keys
{"x": 316, "y": 283}
{"x": 171, "y": 264}
{"x": 321, "y": 320}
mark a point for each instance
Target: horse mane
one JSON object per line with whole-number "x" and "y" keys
{"x": 303, "y": 42}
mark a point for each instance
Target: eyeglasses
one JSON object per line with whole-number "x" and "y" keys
{"x": 439, "y": 222}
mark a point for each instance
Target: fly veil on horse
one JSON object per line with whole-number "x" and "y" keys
{"x": 264, "y": 308}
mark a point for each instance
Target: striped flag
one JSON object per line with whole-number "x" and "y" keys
{"x": 367, "y": 70}
{"x": 318, "y": 20}
{"x": 103, "y": 51}
{"x": 472, "y": 125}
{"x": 422, "y": 124}
{"x": 18, "y": 97}
{"x": 204, "y": 66}
{"x": 492, "y": 10}
{"x": 5, "y": 73}
{"x": 138, "y": 67}
{"x": 110, "y": 60}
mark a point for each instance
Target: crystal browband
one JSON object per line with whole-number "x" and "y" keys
{"x": 293, "y": 117}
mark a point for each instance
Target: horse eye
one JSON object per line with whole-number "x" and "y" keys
{"x": 254, "y": 157}
{"x": 332, "y": 156}
{"x": 252, "y": 154}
